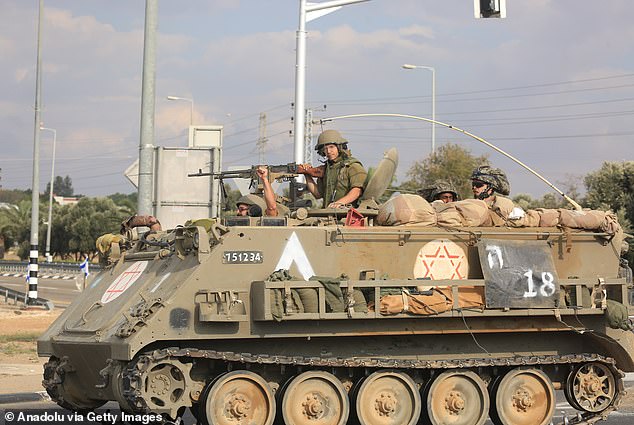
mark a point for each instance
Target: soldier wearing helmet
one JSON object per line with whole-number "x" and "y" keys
{"x": 344, "y": 176}
{"x": 250, "y": 205}
{"x": 486, "y": 181}
{"x": 441, "y": 190}
{"x": 253, "y": 205}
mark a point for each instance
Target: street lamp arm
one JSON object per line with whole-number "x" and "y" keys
{"x": 311, "y": 7}
{"x": 465, "y": 132}
{"x": 191, "y": 106}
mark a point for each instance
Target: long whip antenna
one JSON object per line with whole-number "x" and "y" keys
{"x": 465, "y": 132}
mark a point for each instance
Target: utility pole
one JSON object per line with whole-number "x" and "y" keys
{"x": 35, "y": 188}
{"x": 146, "y": 141}
{"x": 308, "y": 136}
{"x": 262, "y": 139}
{"x": 307, "y": 12}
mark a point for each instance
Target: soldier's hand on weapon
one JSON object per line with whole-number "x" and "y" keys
{"x": 336, "y": 205}
{"x": 310, "y": 170}
{"x": 262, "y": 172}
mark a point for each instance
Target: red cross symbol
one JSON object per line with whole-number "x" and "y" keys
{"x": 124, "y": 281}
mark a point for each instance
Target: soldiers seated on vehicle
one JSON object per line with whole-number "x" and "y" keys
{"x": 344, "y": 176}
{"x": 486, "y": 183}
{"x": 441, "y": 190}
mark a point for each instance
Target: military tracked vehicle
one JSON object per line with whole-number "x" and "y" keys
{"x": 326, "y": 318}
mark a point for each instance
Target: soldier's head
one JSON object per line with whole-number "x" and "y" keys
{"x": 486, "y": 180}
{"x": 250, "y": 205}
{"x": 331, "y": 145}
{"x": 444, "y": 191}
{"x": 441, "y": 190}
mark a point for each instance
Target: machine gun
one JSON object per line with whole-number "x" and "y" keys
{"x": 280, "y": 173}
{"x": 284, "y": 172}
{"x": 276, "y": 172}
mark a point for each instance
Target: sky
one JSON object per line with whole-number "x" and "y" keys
{"x": 551, "y": 84}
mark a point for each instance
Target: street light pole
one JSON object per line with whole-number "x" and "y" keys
{"x": 307, "y": 12}
{"x": 49, "y": 257}
{"x": 433, "y": 100}
{"x": 35, "y": 189}
{"x": 191, "y": 106}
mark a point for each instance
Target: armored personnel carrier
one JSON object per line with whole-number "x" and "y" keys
{"x": 327, "y": 318}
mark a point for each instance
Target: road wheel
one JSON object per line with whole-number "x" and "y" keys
{"x": 457, "y": 397}
{"x": 315, "y": 398}
{"x": 238, "y": 397}
{"x": 388, "y": 398}
{"x": 523, "y": 397}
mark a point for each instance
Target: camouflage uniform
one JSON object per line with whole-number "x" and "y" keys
{"x": 340, "y": 177}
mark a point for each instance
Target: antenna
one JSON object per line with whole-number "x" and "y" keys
{"x": 473, "y": 136}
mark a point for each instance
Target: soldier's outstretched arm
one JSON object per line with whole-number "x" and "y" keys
{"x": 269, "y": 195}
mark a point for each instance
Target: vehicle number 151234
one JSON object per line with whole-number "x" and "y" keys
{"x": 242, "y": 257}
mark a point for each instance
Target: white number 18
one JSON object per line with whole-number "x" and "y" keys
{"x": 547, "y": 288}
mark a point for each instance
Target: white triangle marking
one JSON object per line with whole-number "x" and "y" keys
{"x": 294, "y": 252}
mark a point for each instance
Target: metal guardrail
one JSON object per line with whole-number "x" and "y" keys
{"x": 8, "y": 294}
{"x": 46, "y": 268}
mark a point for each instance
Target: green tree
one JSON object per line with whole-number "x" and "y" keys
{"x": 14, "y": 196}
{"x": 62, "y": 186}
{"x": 450, "y": 162}
{"x": 15, "y": 226}
{"x": 85, "y": 221}
{"x": 612, "y": 187}
{"x": 127, "y": 203}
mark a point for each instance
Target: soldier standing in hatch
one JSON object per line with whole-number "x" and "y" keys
{"x": 252, "y": 205}
{"x": 344, "y": 176}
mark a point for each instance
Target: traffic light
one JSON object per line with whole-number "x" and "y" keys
{"x": 489, "y": 8}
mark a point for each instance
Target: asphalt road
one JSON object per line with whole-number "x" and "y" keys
{"x": 621, "y": 417}
{"x": 61, "y": 292}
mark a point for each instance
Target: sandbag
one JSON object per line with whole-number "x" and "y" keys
{"x": 474, "y": 212}
{"x": 548, "y": 217}
{"x": 309, "y": 298}
{"x": 280, "y": 305}
{"x": 406, "y": 209}
{"x": 616, "y": 315}
{"x": 447, "y": 214}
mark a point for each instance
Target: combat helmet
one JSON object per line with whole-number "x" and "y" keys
{"x": 439, "y": 186}
{"x": 330, "y": 137}
{"x": 494, "y": 177}
{"x": 254, "y": 202}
